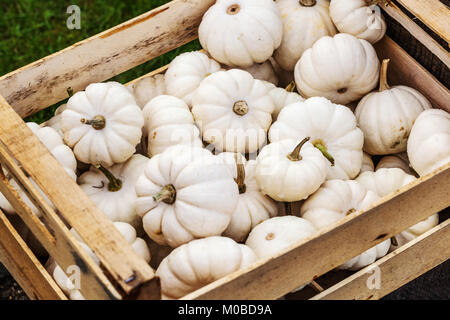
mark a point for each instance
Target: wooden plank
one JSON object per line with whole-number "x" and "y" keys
{"x": 396, "y": 269}
{"x": 313, "y": 257}
{"x": 417, "y": 32}
{"x": 126, "y": 268}
{"x": 433, "y": 13}
{"x": 23, "y": 265}
{"x": 44, "y": 82}
{"x": 403, "y": 69}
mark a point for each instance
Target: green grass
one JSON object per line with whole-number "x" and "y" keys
{"x": 32, "y": 29}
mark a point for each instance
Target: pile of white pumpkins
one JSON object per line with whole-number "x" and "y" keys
{"x": 201, "y": 161}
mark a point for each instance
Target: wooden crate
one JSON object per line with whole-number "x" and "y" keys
{"x": 123, "y": 275}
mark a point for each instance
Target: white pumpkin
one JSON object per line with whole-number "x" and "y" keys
{"x": 253, "y": 206}
{"x": 185, "y": 193}
{"x": 233, "y": 111}
{"x": 200, "y": 262}
{"x": 55, "y": 121}
{"x": 335, "y": 200}
{"x": 395, "y": 161}
{"x": 148, "y": 88}
{"x": 290, "y": 171}
{"x": 263, "y": 71}
{"x": 241, "y": 32}
{"x": 282, "y": 98}
{"x": 113, "y": 189}
{"x": 429, "y": 141}
{"x": 388, "y": 180}
{"x": 367, "y": 257}
{"x": 367, "y": 163}
{"x": 342, "y": 68}
{"x": 415, "y": 231}
{"x": 331, "y": 127}
{"x": 359, "y": 18}
{"x": 387, "y": 116}
{"x": 68, "y": 286}
{"x": 168, "y": 122}
{"x": 186, "y": 72}
{"x": 102, "y": 124}
{"x": 271, "y": 237}
{"x": 304, "y": 22}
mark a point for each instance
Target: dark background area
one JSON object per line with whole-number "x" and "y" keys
{"x": 32, "y": 29}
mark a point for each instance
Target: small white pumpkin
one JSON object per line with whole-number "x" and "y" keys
{"x": 263, "y": 71}
{"x": 342, "y": 68}
{"x": 287, "y": 170}
{"x": 335, "y": 200}
{"x": 113, "y": 189}
{"x": 332, "y": 129}
{"x": 415, "y": 231}
{"x": 429, "y": 141}
{"x": 68, "y": 286}
{"x": 399, "y": 160}
{"x": 360, "y": 18}
{"x": 284, "y": 97}
{"x": 169, "y": 122}
{"x": 233, "y": 110}
{"x": 185, "y": 193}
{"x": 102, "y": 124}
{"x": 55, "y": 121}
{"x": 271, "y": 237}
{"x": 367, "y": 257}
{"x": 185, "y": 73}
{"x": 253, "y": 206}
{"x": 304, "y": 22}
{"x": 200, "y": 262}
{"x": 148, "y": 88}
{"x": 387, "y": 116}
{"x": 367, "y": 163}
{"x": 241, "y": 32}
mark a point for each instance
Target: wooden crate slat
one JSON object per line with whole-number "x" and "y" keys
{"x": 23, "y": 265}
{"x": 396, "y": 269}
{"x": 356, "y": 233}
{"x": 433, "y": 13}
{"x": 44, "y": 82}
{"x": 417, "y": 32}
{"x": 126, "y": 268}
{"x": 404, "y": 70}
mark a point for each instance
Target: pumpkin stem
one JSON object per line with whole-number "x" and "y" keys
{"x": 307, "y": 3}
{"x": 98, "y": 122}
{"x": 324, "y": 151}
{"x": 394, "y": 241}
{"x": 233, "y": 9}
{"x": 317, "y": 287}
{"x": 378, "y": 2}
{"x": 291, "y": 87}
{"x": 240, "y": 108}
{"x": 167, "y": 194}
{"x": 383, "y": 75}
{"x": 350, "y": 211}
{"x": 240, "y": 179}
{"x": 70, "y": 92}
{"x": 114, "y": 183}
{"x": 295, "y": 155}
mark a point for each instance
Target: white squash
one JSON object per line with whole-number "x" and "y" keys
{"x": 332, "y": 128}
{"x": 359, "y": 18}
{"x": 113, "y": 189}
{"x": 367, "y": 257}
{"x": 55, "y": 121}
{"x": 415, "y": 231}
{"x": 68, "y": 286}
{"x": 387, "y": 116}
{"x": 304, "y": 22}
{"x": 241, "y": 32}
{"x": 388, "y": 180}
{"x": 168, "y": 122}
{"x": 233, "y": 110}
{"x": 185, "y": 193}
{"x": 200, "y": 262}
{"x": 148, "y": 88}
{"x": 367, "y": 163}
{"x": 102, "y": 124}
{"x": 399, "y": 160}
{"x": 186, "y": 72}
{"x": 273, "y": 236}
{"x": 290, "y": 171}
{"x": 429, "y": 141}
{"x": 342, "y": 68}
{"x": 282, "y": 98}
{"x": 263, "y": 71}
{"x": 253, "y": 206}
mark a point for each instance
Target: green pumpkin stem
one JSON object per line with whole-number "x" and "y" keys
{"x": 325, "y": 153}
{"x": 291, "y": 87}
{"x": 383, "y": 75}
{"x": 114, "y": 183}
{"x": 98, "y": 122}
{"x": 167, "y": 194}
{"x": 295, "y": 155}
{"x": 70, "y": 92}
{"x": 394, "y": 241}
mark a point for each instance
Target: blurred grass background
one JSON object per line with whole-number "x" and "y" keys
{"x": 33, "y": 29}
